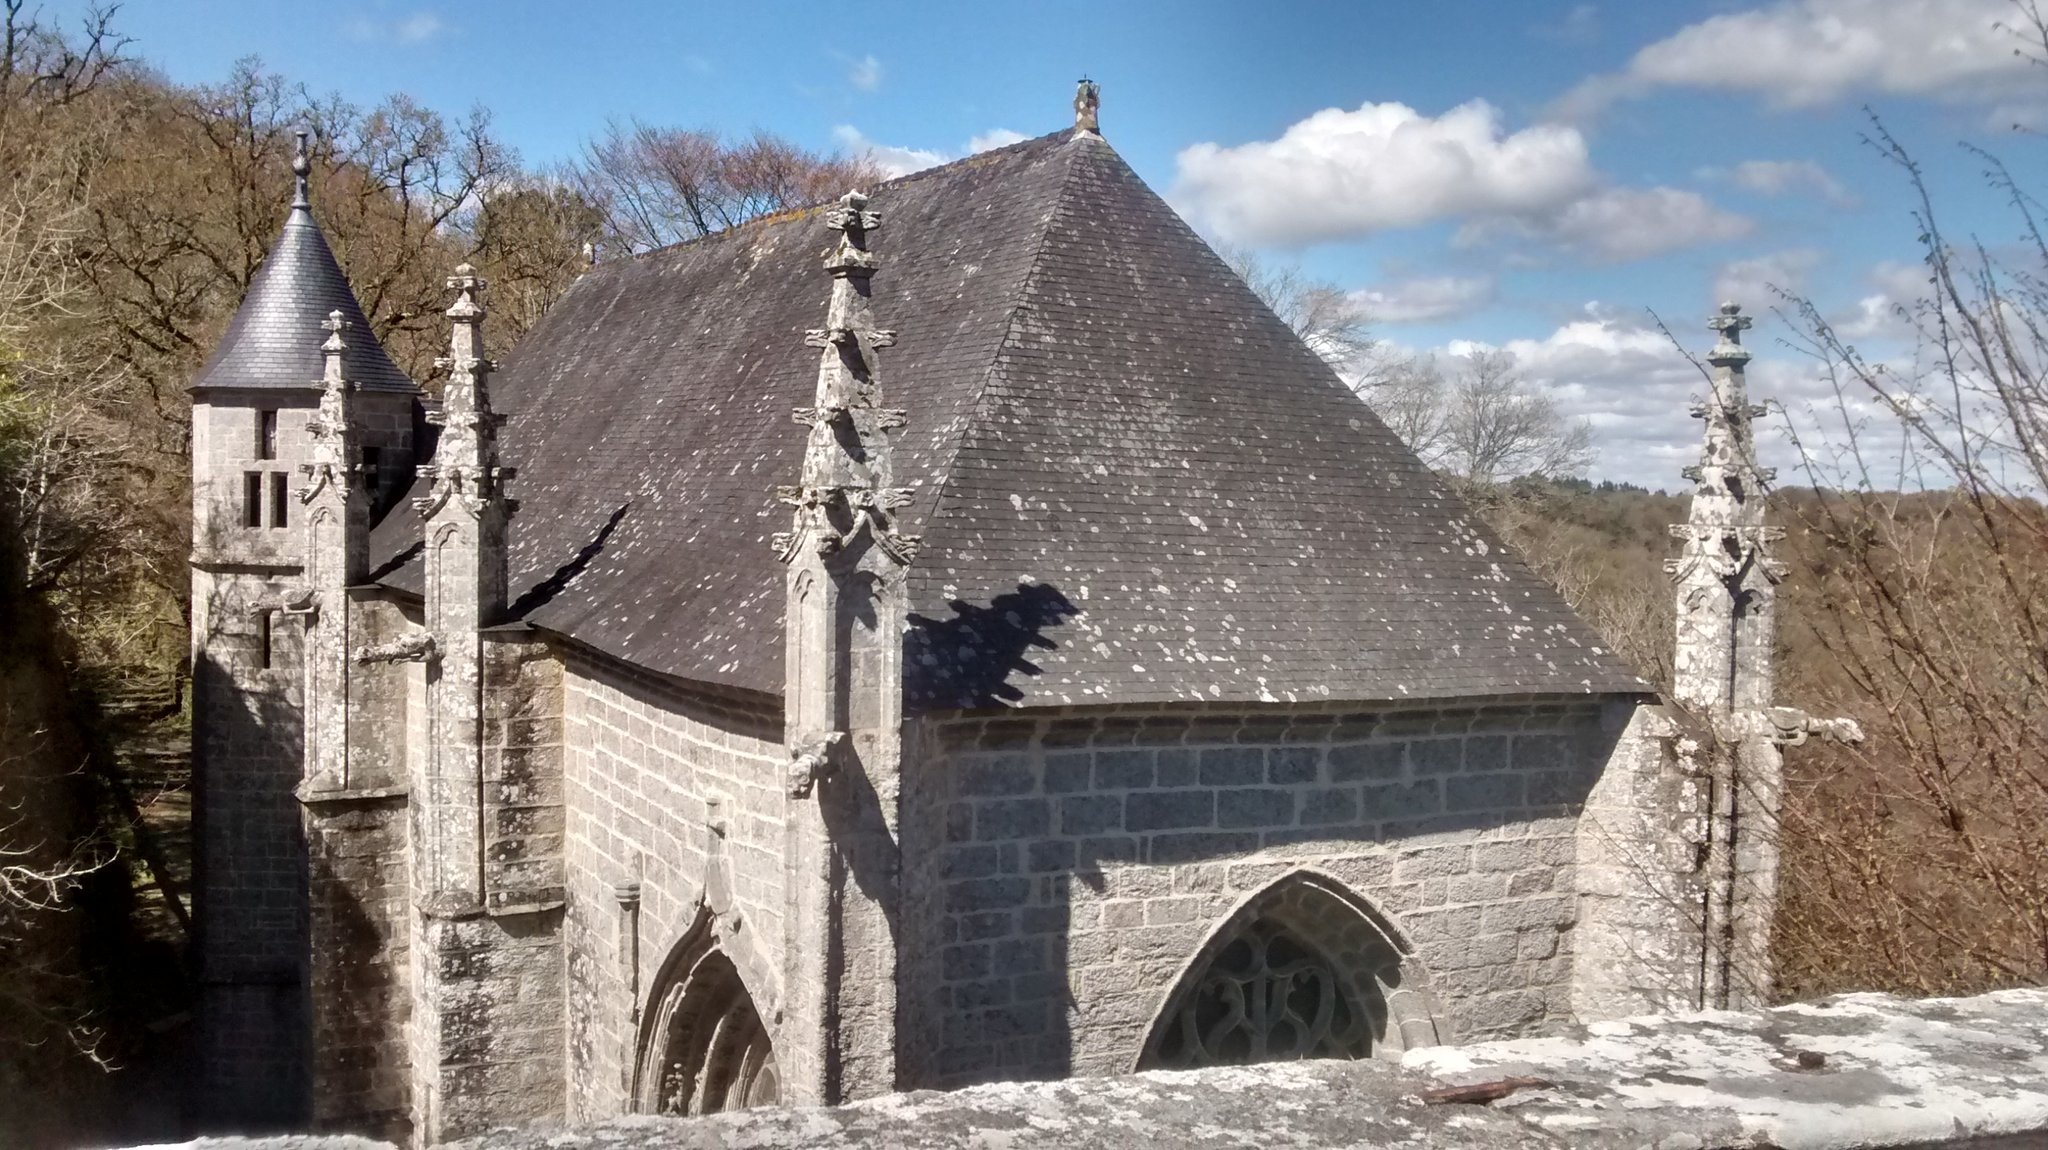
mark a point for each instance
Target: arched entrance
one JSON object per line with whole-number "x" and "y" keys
{"x": 703, "y": 1047}
{"x": 1304, "y": 969}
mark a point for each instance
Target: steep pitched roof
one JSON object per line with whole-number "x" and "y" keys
{"x": 1133, "y": 481}
{"x": 274, "y": 339}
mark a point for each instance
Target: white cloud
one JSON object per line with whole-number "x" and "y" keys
{"x": 896, "y": 161}
{"x": 1621, "y": 374}
{"x": 1339, "y": 174}
{"x": 1615, "y": 225}
{"x": 1749, "y": 282}
{"x": 865, "y": 74}
{"x": 994, "y": 138}
{"x": 1425, "y": 299}
{"x": 1799, "y": 53}
{"x": 1887, "y": 312}
{"x": 1580, "y": 25}
{"x": 901, "y": 161}
{"x": 1784, "y": 178}
{"x": 417, "y": 28}
{"x": 1344, "y": 173}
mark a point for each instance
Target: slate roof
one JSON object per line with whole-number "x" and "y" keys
{"x": 274, "y": 340}
{"x": 1134, "y": 483}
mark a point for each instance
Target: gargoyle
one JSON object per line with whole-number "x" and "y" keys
{"x": 411, "y": 647}
{"x": 810, "y": 762}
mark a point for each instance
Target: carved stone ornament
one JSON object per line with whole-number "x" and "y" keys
{"x": 330, "y": 426}
{"x": 416, "y": 646}
{"x": 465, "y": 467}
{"x": 811, "y": 762}
{"x": 1728, "y": 552}
{"x": 846, "y": 490}
{"x": 1791, "y": 727}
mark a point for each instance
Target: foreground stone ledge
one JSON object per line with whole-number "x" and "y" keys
{"x": 1878, "y": 1071}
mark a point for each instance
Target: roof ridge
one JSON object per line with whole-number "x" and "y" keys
{"x": 944, "y": 466}
{"x": 800, "y": 211}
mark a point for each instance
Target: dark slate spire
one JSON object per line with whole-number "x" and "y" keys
{"x": 274, "y": 340}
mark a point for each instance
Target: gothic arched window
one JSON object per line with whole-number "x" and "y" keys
{"x": 1304, "y": 969}
{"x": 704, "y": 1049}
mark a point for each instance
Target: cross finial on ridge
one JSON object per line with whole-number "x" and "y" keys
{"x": 1731, "y": 323}
{"x": 1087, "y": 106}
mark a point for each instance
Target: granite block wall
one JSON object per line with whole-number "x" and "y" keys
{"x": 1061, "y": 870}
{"x": 250, "y": 865}
{"x": 677, "y": 794}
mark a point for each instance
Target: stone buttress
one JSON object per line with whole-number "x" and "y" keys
{"x": 486, "y": 1026}
{"x": 1678, "y": 853}
{"x": 354, "y": 805}
{"x": 844, "y": 623}
{"x": 1723, "y": 680}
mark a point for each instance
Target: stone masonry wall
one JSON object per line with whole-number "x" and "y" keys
{"x": 1639, "y": 879}
{"x": 1061, "y": 871}
{"x": 360, "y": 901}
{"x": 225, "y": 447}
{"x": 489, "y": 978}
{"x": 679, "y": 791}
{"x": 249, "y": 889}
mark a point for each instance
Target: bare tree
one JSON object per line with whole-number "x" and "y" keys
{"x": 1409, "y": 393}
{"x": 1499, "y": 426}
{"x": 1919, "y": 861}
{"x": 660, "y": 186}
{"x": 532, "y": 239}
{"x": 1327, "y": 318}
{"x": 1482, "y": 422}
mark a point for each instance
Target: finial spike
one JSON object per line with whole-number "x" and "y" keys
{"x": 1730, "y": 323}
{"x": 1087, "y": 105}
{"x": 302, "y": 167}
{"x": 333, "y": 325}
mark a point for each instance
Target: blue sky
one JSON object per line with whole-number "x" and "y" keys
{"x": 1526, "y": 174}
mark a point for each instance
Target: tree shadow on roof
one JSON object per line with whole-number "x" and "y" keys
{"x": 968, "y": 661}
{"x": 538, "y": 595}
{"x": 392, "y": 565}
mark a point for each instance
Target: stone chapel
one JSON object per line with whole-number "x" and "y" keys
{"x": 1084, "y": 681}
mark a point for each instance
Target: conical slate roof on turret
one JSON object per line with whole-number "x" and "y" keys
{"x": 1134, "y": 483}
{"x": 274, "y": 339}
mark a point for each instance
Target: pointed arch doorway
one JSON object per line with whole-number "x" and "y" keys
{"x": 1304, "y": 969}
{"x": 703, "y": 1046}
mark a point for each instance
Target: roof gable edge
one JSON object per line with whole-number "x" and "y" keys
{"x": 1021, "y": 293}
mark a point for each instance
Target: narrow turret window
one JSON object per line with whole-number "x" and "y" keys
{"x": 279, "y": 499}
{"x": 252, "y": 499}
{"x": 372, "y": 459}
{"x": 263, "y": 624}
{"x": 266, "y": 434}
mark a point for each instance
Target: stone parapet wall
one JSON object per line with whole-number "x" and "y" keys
{"x": 676, "y": 794}
{"x": 1085, "y": 857}
{"x": 1877, "y": 1071}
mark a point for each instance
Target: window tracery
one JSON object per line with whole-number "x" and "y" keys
{"x": 1304, "y": 969}
{"x": 707, "y": 1049}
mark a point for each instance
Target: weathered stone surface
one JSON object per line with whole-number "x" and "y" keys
{"x": 1891, "y": 1072}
